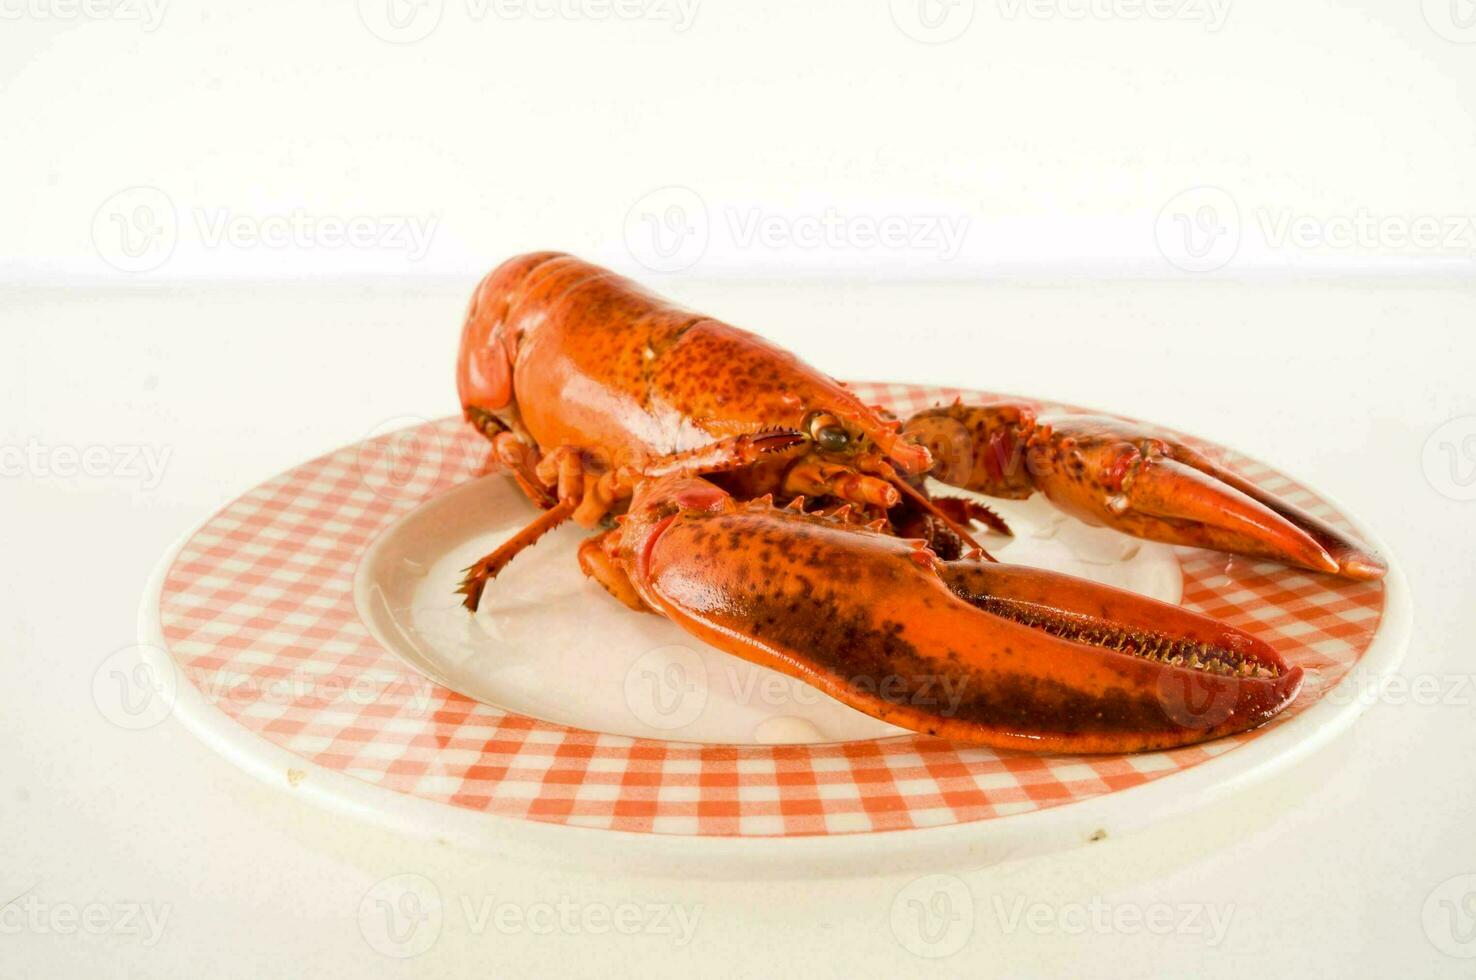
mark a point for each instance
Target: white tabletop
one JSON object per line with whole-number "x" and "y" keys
{"x": 143, "y": 853}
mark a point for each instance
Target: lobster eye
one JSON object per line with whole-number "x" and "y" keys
{"x": 828, "y": 433}
{"x": 832, "y": 438}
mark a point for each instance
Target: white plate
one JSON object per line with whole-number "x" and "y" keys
{"x": 557, "y": 746}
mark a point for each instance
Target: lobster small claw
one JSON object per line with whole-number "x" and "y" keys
{"x": 1002, "y": 655}
{"x": 1138, "y": 479}
{"x": 1133, "y": 478}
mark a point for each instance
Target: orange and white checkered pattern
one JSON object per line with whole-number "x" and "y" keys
{"x": 258, "y": 612}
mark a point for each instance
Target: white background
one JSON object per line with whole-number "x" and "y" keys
{"x": 1121, "y": 182}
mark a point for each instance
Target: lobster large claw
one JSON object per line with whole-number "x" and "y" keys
{"x": 1134, "y": 478}
{"x": 1002, "y": 655}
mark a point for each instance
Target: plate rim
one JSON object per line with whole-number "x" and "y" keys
{"x": 961, "y": 845}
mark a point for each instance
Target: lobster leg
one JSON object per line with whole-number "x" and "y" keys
{"x": 598, "y": 562}
{"x": 990, "y": 653}
{"x": 514, "y": 455}
{"x": 486, "y": 568}
{"x": 1131, "y": 477}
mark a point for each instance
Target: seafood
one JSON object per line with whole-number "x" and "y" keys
{"x": 764, "y": 508}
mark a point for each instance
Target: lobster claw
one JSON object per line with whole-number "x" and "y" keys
{"x": 1141, "y": 480}
{"x": 996, "y": 654}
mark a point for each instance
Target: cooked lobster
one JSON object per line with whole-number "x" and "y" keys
{"x": 768, "y": 511}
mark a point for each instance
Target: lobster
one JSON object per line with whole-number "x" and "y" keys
{"x": 764, "y": 508}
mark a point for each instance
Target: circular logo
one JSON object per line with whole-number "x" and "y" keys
{"x": 666, "y": 688}
{"x": 667, "y": 230}
{"x": 1199, "y": 229}
{"x": 1454, "y": 20}
{"x": 1195, "y": 699}
{"x": 401, "y": 458}
{"x": 136, "y": 229}
{"x": 401, "y": 916}
{"x": 1449, "y": 459}
{"x": 951, "y": 444}
{"x": 933, "y": 916}
{"x": 932, "y": 21}
{"x": 1449, "y": 916}
{"x": 401, "y": 21}
{"x": 135, "y": 687}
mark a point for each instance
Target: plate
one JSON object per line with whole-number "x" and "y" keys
{"x": 312, "y": 635}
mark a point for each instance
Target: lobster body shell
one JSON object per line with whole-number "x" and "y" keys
{"x": 568, "y": 354}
